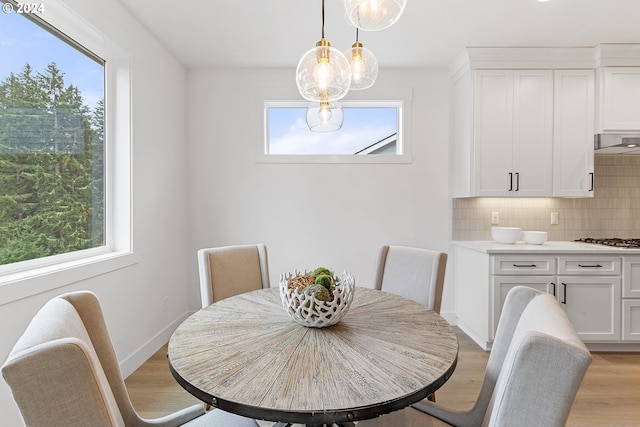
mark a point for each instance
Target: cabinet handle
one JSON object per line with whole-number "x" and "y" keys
{"x": 517, "y": 181}
{"x": 564, "y": 293}
{"x": 591, "y": 179}
{"x": 553, "y": 286}
{"x": 590, "y": 266}
{"x": 510, "y": 181}
{"x": 524, "y": 265}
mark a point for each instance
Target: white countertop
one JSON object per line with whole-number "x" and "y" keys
{"x": 558, "y": 247}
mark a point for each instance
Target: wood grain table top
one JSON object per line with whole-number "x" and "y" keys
{"x": 245, "y": 355}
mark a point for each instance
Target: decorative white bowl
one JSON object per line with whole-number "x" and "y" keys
{"x": 508, "y": 235}
{"x": 305, "y": 309}
{"x": 534, "y": 237}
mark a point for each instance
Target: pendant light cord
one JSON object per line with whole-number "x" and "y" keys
{"x": 323, "y": 19}
{"x": 356, "y": 34}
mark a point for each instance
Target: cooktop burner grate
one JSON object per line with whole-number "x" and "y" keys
{"x": 614, "y": 241}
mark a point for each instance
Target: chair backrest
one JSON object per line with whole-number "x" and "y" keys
{"x": 413, "y": 273}
{"x": 63, "y": 369}
{"x": 536, "y": 365}
{"x": 542, "y": 368}
{"x": 231, "y": 270}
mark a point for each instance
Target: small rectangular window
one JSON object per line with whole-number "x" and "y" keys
{"x": 372, "y": 132}
{"x": 366, "y": 130}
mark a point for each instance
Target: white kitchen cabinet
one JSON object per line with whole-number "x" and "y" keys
{"x": 593, "y": 306}
{"x": 573, "y": 130}
{"x": 501, "y": 285}
{"x": 631, "y": 298}
{"x": 508, "y": 271}
{"x": 619, "y": 99}
{"x": 507, "y": 148}
{"x": 631, "y": 277}
{"x": 631, "y": 319}
{"x": 589, "y": 287}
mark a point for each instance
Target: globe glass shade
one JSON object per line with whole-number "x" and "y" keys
{"x": 364, "y": 67}
{"x": 323, "y": 74}
{"x": 373, "y": 15}
{"x": 325, "y": 116}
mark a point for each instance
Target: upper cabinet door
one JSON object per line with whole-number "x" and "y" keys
{"x": 492, "y": 131}
{"x": 574, "y": 118}
{"x": 513, "y": 133}
{"x": 620, "y": 99}
{"x": 532, "y": 132}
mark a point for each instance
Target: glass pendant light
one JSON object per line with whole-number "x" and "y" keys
{"x": 323, "y": 73}
{"x": 364, "y": 66}
{"x": 325, "y": 116}
{"x": 373, "y": 15}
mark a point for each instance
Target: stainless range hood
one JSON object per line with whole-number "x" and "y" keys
{"x": 617, "y": 143}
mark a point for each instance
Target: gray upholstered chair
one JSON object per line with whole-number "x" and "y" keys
{"x": 63, "y": 371}
{"x": 413, "y": 273}
{"x": 231, "y": 270}
{"x": 535, "y": 368}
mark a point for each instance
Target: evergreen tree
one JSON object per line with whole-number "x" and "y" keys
{"x": 51, "y": 167}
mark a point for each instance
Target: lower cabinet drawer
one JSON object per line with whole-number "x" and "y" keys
{"x": 586, "y": 265}
{"x": 525, "y": 265}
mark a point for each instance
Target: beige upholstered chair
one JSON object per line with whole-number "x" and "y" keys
{"x": 535, "y": 368}
{"x": 231, "y": 270}
{"x": 63, "y": 371}
{"x": 413, "y": 273}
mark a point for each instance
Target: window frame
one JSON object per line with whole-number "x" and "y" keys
{"x": 26, "y": 278}
{"x": 398, "y": 98}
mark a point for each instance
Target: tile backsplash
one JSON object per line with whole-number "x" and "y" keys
{"x": 614, "y": 211}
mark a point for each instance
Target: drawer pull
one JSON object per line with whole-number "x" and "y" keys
{"x": 554, "y": 288}
{"x": 590, "y": 266}
{"x": 524, "y": 265}
{"x": 564, "y": 293}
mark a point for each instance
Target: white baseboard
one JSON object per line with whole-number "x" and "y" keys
{"x": 132, "y": 362}
{"x": 450, "y": 317}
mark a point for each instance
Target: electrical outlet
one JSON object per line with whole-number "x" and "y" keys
{"x": 495, "y": 218}
{"x": 165, "y": 303}
{"x": 554, "y": 218}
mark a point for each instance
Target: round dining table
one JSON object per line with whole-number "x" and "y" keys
{"x": 245, "y": 355}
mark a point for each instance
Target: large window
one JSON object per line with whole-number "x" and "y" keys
{"x": 52, "y": 158}
{"x": 65, "y": 151}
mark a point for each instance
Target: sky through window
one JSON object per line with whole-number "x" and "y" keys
{"x": 289, "y": 134}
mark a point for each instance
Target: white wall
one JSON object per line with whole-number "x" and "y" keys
{"x": 196, "y": 184}
{"x": 132, "y": 297}
{"x": 234, "y": 199}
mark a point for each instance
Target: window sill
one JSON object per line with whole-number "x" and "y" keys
{"x": 23, "y": 284}
{"x": 339, "y": 159}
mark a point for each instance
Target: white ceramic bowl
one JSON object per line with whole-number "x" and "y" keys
{"x": 304, "y": 308}
{"x": 535, "y": 237}
{"x": 508, "y": 235}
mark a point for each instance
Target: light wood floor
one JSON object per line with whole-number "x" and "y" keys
{"x": 609, "y": 395}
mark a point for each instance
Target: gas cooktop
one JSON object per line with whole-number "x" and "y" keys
{"x": 613, "y": 241}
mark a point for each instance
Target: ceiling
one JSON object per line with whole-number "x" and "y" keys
{"x": 276, "y": 33}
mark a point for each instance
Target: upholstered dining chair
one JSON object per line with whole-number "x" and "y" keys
{"x": 413, "y": 273}
{"x": 230, "y": 270}
{"x": 63, "y": 371}
{"x": 535, "y": 368}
